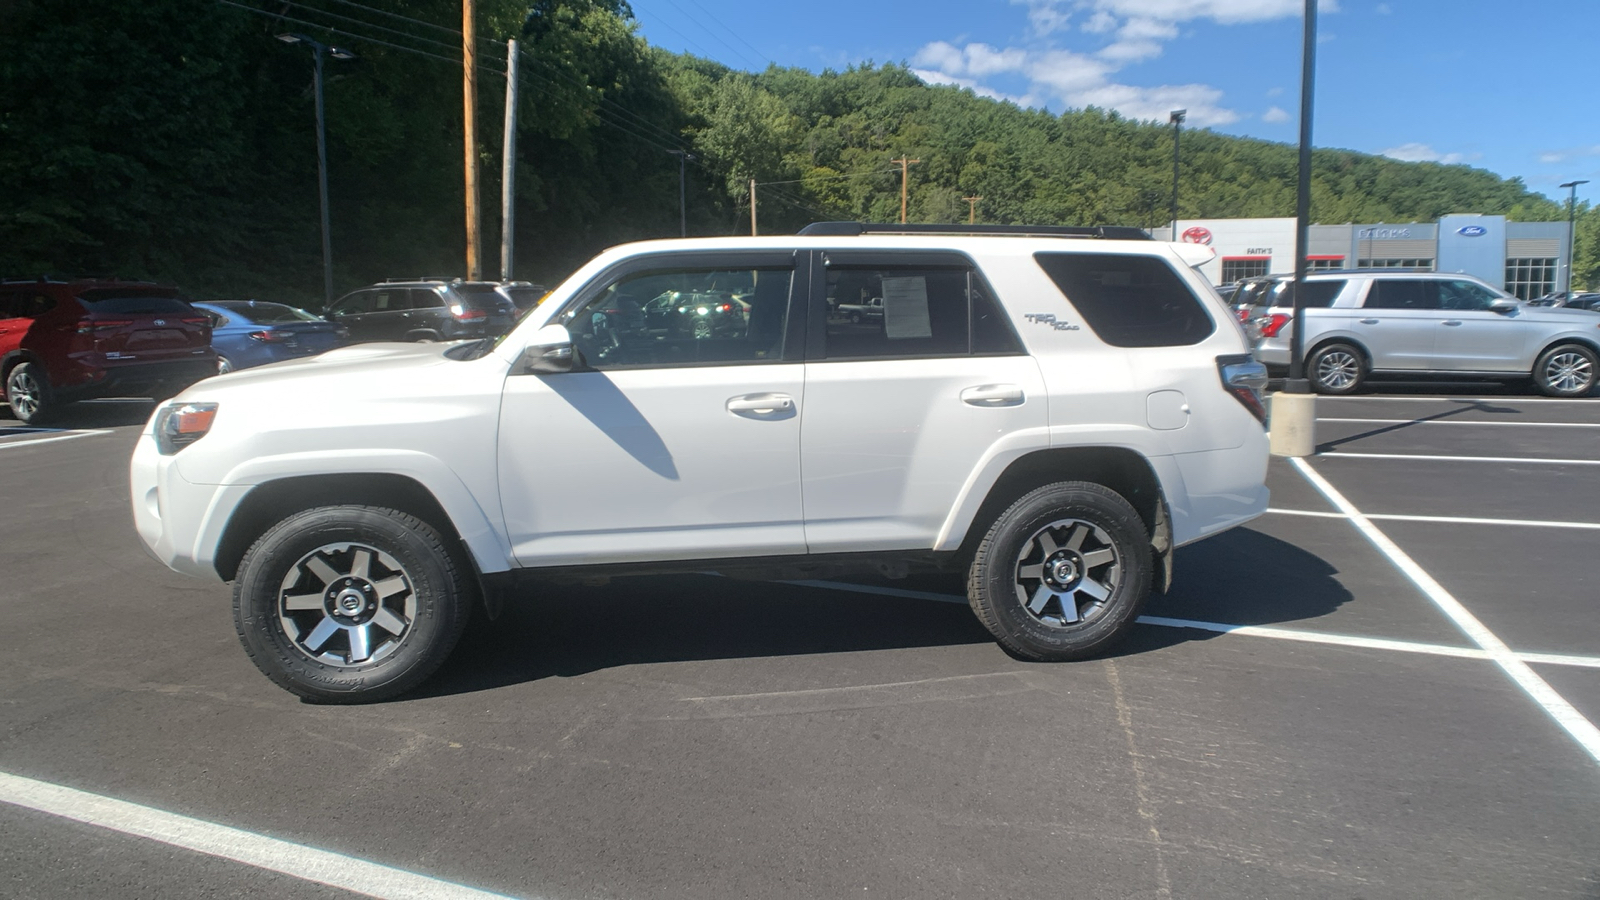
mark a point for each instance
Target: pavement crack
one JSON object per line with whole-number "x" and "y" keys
{"x": 1140, "y": 786}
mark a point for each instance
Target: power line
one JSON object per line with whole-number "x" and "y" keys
{"x": 406, "y": 35}
{"x": 360, "y": 37}
{"x": 714, "y": 35}
{"x": 690, "y": 41}
{"x": 730, "y": 31}
{"x": 383, "y": 12}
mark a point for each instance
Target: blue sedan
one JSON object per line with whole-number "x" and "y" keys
{"x": 249, "y": 333}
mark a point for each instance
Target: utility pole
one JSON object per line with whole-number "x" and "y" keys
{"x": 752, "y": 207}
{"x": 1177, "y": 117}
{"x": 1572, "y": 234}
{"x": 508, "y": 163}
{"x": 905, "y": 166}
{"x": 972, "y": 209}
{"x": 469, "y": 96}
{"x": 317, "y": 51}
{"x": 683, "y": 203}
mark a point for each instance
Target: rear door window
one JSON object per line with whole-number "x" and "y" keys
{"x": 1465, "y": 295}
{"x": 1128, "y": 300}
{"x": 1400, "y": 293}
{"x": 884, "y": 305}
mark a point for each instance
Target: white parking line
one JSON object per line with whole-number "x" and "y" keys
{"x": 1485, "y": 459}
{"x": 29, "y": 441}
{"x": 1444, "y": 520}
{"x": 1463, "y": 422}
{"x": 1556, "y": 706}
{"x": 1444, "y": 398}
{"x": 1266, "y": 631}
{"x": 297, "y": 860}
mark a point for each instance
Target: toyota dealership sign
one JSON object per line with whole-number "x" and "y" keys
{"x": 1197, "y": 234}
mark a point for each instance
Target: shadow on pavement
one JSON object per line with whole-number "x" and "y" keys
{"x": 91, "y": 414}
{"x": 1240, "y": 577}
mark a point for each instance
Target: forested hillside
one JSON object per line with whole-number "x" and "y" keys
{"x": 175, "y": 140}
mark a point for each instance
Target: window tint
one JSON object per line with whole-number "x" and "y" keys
{"x": 1129, "y": 301}
{"x": 425, "y": 298}
{"x": 684, "y": 317}
{"x": 1399, "y": 294}
{"x": 1319, "y": 294}
{"x": 389, "y": 300}
{"x": 887, "y": 311}
{"x": 134, "y": 305}
{"x": 992, "y": 334}
{"x": 1465, "y": 295}
{"x": 261, "y": 313}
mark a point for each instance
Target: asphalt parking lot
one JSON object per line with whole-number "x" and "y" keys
{"x": 1386, "y": 687}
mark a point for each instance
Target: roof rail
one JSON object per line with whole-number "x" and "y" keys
{"x": 423, "y": 278}
{"x": 852, "y": 229}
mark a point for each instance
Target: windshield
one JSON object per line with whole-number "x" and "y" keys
{"x": 118, "y": 302}
{"x": 258, "y": 313}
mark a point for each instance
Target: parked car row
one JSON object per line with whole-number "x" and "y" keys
{"x": 63, "y": 340}
{"x": 1369, "y": 324}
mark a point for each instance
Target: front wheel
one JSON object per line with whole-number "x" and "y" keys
{"x": 350, "y": 604}
{"x": 1336, "y": 369}
{"x": 1565, "y": 371}
{"x": 1063, "y": 573}
{"x": 28, "y": 393}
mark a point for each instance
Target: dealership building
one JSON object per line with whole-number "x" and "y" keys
{"x": 1525, "y": 258}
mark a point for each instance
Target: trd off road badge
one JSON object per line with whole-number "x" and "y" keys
{"x": 1050, "y": 319}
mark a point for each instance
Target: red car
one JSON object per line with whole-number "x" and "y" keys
{"x": 62, "y": 341}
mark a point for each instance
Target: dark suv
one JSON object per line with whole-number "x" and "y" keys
{"x": 425, "y": 309}
{"x": 74, "y": 340}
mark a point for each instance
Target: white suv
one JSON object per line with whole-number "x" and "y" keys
{"x": 1365, "y": 323}
{"x": 1049, "y": 412}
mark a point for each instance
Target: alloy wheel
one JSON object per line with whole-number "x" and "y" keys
{"x": 24, "y": 393}
{"x": 1066, "y": 572}
{"x": 1569, "y": 372}
{"x": 1338, "y": 369}
{"x": 347, "y": 604}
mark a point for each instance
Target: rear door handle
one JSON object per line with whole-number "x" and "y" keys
{"x": 993, "y": 395}
{"x": 765, "y": 406}
{"x": 1452, "y": 321}
{"x": 1369, "y": 321}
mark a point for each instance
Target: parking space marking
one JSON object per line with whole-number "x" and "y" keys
{"x": 1554, "y": 705}
{"x": 1266, "y": 631}
{"x": 1445, "y": 520}
{"x": 1444, "y": 398}
{"x": 259, "y": 851}
{"x": 1486, "y": 459}
{"x": 29, "y": 441}
{"x": 1463, "y": 422}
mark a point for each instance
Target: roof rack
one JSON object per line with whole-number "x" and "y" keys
{"x": 445, "y": 278}
{"x": 852, "y": 229}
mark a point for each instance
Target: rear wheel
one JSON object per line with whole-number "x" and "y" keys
{"x": 1063, "y": 573}
{"x": 224, "y": 365}
{"x": 1565, "y": 371}
{"x": 350, "y": 604}
{"x": 28, "y": 393}
{"x": 1336, "y": 369}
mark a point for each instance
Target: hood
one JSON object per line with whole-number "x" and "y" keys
{"x": 362, "y": 361}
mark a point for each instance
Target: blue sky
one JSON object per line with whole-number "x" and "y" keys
{"x": 1506, "y": 86}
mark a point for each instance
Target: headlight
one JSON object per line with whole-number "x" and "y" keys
{"x": 181, "y": 424}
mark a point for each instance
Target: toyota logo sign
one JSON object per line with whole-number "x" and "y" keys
{"x": 1197, "y": 234}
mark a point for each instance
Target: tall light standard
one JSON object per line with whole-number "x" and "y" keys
{"x": 683, "y": 204}
{"x": 1572, "y": 235}
{"x": 318, "y": 49}
{"x": 1177, "y": 117}
{"x": 1294, "y": 417}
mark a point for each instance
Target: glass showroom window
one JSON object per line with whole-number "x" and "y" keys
{"x": 1324, "y": 263}
{"x": 1415, "y": 265}
{"x": 1237, "y": 269}
{"x": 1530, "y": 278}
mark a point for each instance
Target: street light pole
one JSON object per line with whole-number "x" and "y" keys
{"x": 318, "y": 49}
{"x": 1177, "y": 117}
{"x": 1294, "y": 411}
{"x": 1572, "y": 234}
{"x": 683, "y": 203}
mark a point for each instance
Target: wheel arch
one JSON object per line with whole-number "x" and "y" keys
{"x": 1120, "y": 469}
{"x": 1325, "y": 340}
{"x": 1584, "y": 340}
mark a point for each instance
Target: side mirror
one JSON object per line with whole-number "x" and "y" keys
{"x": 1502, "y": 305}
{"x": 551, "y": 351}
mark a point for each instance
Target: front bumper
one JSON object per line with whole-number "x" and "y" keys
{"x": 179, "y": 521}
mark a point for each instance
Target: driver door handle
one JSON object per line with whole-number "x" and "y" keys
{"x": 1452, "y": 321}
{"x": 761, "y": 405}
{"x": 993, "y": 395}
{"x": 1369, "y": 321}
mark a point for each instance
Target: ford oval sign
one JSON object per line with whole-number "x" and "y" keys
{"x": 1472, "y": 231}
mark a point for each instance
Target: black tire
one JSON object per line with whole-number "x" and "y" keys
{"x": 1336, "y": 369}
{"x": 1566, "y": 370}
{"x": 1015, "y": 562}
{"x": 289, "y": 610}
{"x": 28, "y": 394}
{"x": 855, "y": 318}
{"x": 224, "y": 364}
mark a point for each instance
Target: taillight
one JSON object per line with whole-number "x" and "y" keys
{"x": 1271, "y": 325}
{"x": 269, "y": 337}
{"x": 467, "y": 313}
{"x": 1243, "y": 314}
{"x": 196, "y": 320}
{"x": 1244, "y": 378}
{"x": 725, "y": 307}
{"x": 182, "y": 424}
{"x": 90, "y": 326}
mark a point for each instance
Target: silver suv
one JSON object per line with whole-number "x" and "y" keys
{"x": 1373, "y": 323}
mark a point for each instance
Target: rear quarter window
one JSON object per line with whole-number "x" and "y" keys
{"x": 1129, "y": 301}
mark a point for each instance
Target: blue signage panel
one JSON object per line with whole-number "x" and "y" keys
{"x": 1473, "y": 245}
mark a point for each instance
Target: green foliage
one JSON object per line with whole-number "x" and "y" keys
{"x": 174, "y": 139}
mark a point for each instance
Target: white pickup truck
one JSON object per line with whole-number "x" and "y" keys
{"x": 1049, "y": 412}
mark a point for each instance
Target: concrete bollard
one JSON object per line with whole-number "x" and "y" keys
{"x": 1294, "y": 424}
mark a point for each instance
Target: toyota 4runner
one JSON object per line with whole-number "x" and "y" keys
{"x": 1048, "y": 412}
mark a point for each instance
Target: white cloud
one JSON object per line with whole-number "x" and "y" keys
{"x": 1560, "y": 156}
{"x": 1130, "y": 51}
{"x": 1157, "y": 102}
{"x": 1100, "y": 23}
{"x": 1275, "y": 92}
{"x": 1275, "y": 114}
{"x": 1415, "y": 152}
{"x": 1383, "y": 9}
{"x": 935, "y": 77}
